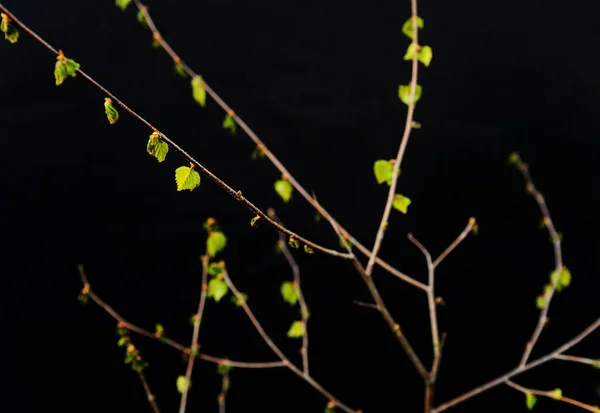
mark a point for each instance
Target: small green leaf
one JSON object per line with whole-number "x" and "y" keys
{"x": 64, "y": 67}
{"x": 215, "y": 242}
{"x": 223, "y": 369}
{"x": 83, "y": 298}
{"x": 11, "y": 33}
{"x": 111, "y": 111}
{"x": 156, "y": 44}
{"x": 186, "y": 178}
{"x": 60, "y": 72}
{"x": 596, "y": 363}
{"x": 530, "y": 400}
{"x": 237, "y": 302}
{"x": 159, "y": 330}
{"x": 182, "y": 384}
{"x": 514, "y": 158}
{"x": 401, "y": 203}
{"x": 410, "y": 52}
{"x": 142, "y": 18}
{"x": 198, "y": 90}
{"x": 296, "y": 330}
{"x": 215, "y": 268}
{"x": 122, "y": 341}
{"x": 254, "y": 221}
{"x": 345, "y": 243}
{"x": 258, "y": 154}
{"x": 308, "y": 249}
{"x": 404, "y": 93}
{"x": 284, "y": 189}
{"x": 217, "y": 289}
{"x": 293, "y": 242}
{"x": 562, "y": 279}
{"x": 157, "y": 147}
{"x": 384, "y": 171}
{"x": 229, "y": 124}
{"x": 407, "y": 27}
{"x": 556, "y": 394}
{"x": 180, "y": 70}
{"x": 289, "y": 292}
{"x": 425, "y": 55}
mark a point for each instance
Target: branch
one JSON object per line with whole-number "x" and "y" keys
{"x": 470, "y": 225}
{"x": 196, "y": 334}
{"x": 403, "y": 143}
{"x": 221, "y": 184}
{"x": 156, "y": 34}
{"x": 551, "y": 395}
{"x": 151, "y": 398}
{"x": 276, "y": 349}
{"x": 582, "y": 360}
{"x": 87, "y": 290}
{"x": 556, "y": 241}
{"x": 223, "y": 394}
{"x": 520, "y": 369}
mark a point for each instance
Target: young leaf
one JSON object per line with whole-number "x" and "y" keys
{"x": 540, "y": 301}
{"x": 111, "y": 111}
{"x": 556, "y": 394}
{"x": 217, "y": 289}
{"x": 425, "y": 55}
{"x": 284, "y": 189}
{"x": 215, "y": 242}
{"x": 142, "y": 18}
{"x": 404, "y": 93}
{"x": 296, "y": 330}
{"x": 308, "y": 249}
{"x": 407, "y": 27}
{"x": 11, "y": 33}
{"x": 562, "y": 278}
{"x": 156, "y": 44}
{"x": 198, "y": 90}
{"x": 289, "y": 292}
{"x": 157, "y": 147}
{"x": 345, "y": 243}
{"x": 229, "y": 124}
{"x": 530, "y": 400}
{"x": 186, "y": 178}
{"x": 254, "y": 221}
{"x": 257, "y": 154}
{"x": 215, "y": 268}
{"x": 293, "y": 242}
{"x": 401, "y": 203}
{"x": 180, "y": 70}
{"x": 159, "y": 330}
{"x": 183, "y": 384}
{"x": 64, "y": 67}
{"x": 383, "y": 171}
{"x": 237, "y": 302}
{"x": 410, "y": 51}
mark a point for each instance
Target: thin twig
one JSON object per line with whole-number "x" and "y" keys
{"x": 196, "y": 333}
{"x": 149, "y": 394}
{"x": 519, "y": 369}
{"x": 551, "y": 395}
{"x": 303, "y": 307}
{"x": 558, "y": 261}
{"x": 220, "y": 183}
{"x": 276, "y": 349}
{"x": 582, "y": 360}
{"x": 223, "y": 394}
{"x": 403, "y": 143}
{"x": 472, "y": 222}
{"x": 126, "y": 324}
{"x": 263, "y": 148}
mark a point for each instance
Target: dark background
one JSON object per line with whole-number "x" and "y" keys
{"x": 318, "y": 81}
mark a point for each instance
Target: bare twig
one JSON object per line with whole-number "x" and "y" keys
{"x": 303, "y": 307}
{"x": 519, "y": 369}
{"x": 551, "y": 395}
{"x": 149, "y": 394}
{"x": 558, "y": 261}
{"x": 126, "y": 324}
{"x": 263, "y": 148}
{"x": 472, "y": 222}
{"x": 196, "y": 164}
{"x": 575, "y": 359}
{"x": 196, "y": 333}
{"x": 276, "y": 349}
{"x": 223, "y": 394}
{"x": 403, "y": 143}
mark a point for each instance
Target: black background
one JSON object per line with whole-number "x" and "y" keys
{"x": 318, "y": 82}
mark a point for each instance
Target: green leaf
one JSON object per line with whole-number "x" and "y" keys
{"x": 64, "y": 67}
{"x": 258, "y": 154}
{"x": 215, "y": 242}
{"x": 60, "y": 72}
{"x": 410, "y": 52}
{"x": 229, "y": 124}
{"x": 596, "y": 363}
{"x": 180, "y": 70}
{"x": 182, "y": 384}
{"x": 11, "y": 33}
{"x": 157, "y": 147}
{"x": 562, "y": 279}
{"x": 401, "y": 203}
{"x": 308, "y": 249}
{"x": 122, "y": 341}
{"x": 254, "y": 221}
{"x": 111, "y": 111}
{"x": 284, "y": 189}
{"x": 293, "y": 242}
{"x": 404, "y": 93}
{"x": 530, "y": 400}
{"x": 223, "y": 369}
{"x": 556, "y": 394}
{"x": 425, "y": 55}
{"x": 186, "y": 178}
{"x": 384, "y": 171}
{"x": 289, "y": 292}
{"x": 296, "y": 330}
{"x": 142, "y": 18}
{"x": 156, "y": 44}
{"x": 345, "y": 243}
{"x": 159, "y": 330}
{"x": 215, "y": 268}
{"x": 237, "y": 302}
{"x": 198, "y": 90}
{"x": 217, "y": 289}
{"x": 407, "y": 27}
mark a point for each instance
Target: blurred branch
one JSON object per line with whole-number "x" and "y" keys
{"x": 149, "y": 394}
{"x": 552, "y": 395}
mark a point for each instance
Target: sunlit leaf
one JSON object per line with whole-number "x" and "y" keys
{"x": 401, "y": 203}
{"x": 425, "y": 55}
{"x": 142, "y": 18}
{"x": 111, "y": 112}
{"x": 217, "y": 289}
{"x": 180, "y": 70}
{"x": 407, "y": 27}
{"x": 122, "y": 3}
{"x": 198, "y": 90}
{"x": 215, "y": 242}
{"x": 293, "y": 242}
{"x": 186, "y": 178}
{"x": 384, "y": 171}
{"x": 157, "y": 147}
{"x": 159, "y": 330}
{"x": 562, "y": 279}
{"x": 296, "y": 330}
{"x": 530, "y": 400}
{"x": 289, "y": 292}
{"x": 556, "y": 394}
{"x": 182, "y": 384}
{"x": 254, "y": 221}
{"x": 11, "y": 33}
{"x": 404, "y": 93}
{"x": 237, "y": 302}
{"x": 215, "y": 268}
{"x": 284, "y": 189}
{"x": 308, "y": 249}
{"x": 229, "y": 124}
{"x": 410, "y": 51}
